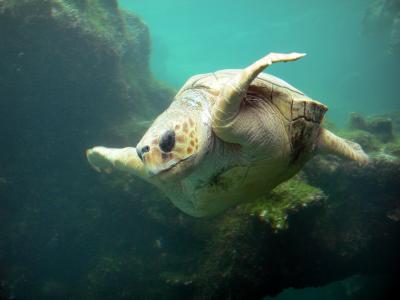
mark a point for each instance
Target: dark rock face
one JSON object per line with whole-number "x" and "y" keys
{"x": 73, "y": 74}
{"x": 325, "y": 242}
{"x": 70, "y": 71}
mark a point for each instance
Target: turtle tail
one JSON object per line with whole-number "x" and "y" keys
{"x": 331, "y": 143}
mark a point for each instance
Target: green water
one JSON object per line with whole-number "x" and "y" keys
{"x": 345, "y": 68}
{"x": 74, "y": 74}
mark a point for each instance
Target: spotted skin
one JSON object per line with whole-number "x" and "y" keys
{"x": 186, "y": 144}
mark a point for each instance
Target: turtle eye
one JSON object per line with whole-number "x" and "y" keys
{"x": 167, "y": 141}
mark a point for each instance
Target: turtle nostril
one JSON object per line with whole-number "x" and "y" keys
{"x": 145, "y": 149}
{"x": 141, "y": 151}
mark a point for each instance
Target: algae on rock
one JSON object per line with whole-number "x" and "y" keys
{"x": 288, "y": 197}
{"x": 73, "y": 72}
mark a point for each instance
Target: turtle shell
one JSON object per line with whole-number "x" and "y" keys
{"x": 302, "y": 115}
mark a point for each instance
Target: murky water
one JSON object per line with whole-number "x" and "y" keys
{"x": 75, "y": 74}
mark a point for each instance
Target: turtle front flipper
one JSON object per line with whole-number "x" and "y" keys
{"x": 104, "y": 159}
{"x": 228, "y": 102}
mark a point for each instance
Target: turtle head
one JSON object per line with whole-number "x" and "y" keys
{"x": 172, "y": 144}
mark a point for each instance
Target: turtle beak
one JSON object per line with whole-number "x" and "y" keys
{"x": 139, "y": 153}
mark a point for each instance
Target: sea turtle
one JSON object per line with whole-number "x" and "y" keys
{"x": 227, "y": 137}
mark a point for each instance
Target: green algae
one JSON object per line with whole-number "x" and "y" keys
{"x": 288, "y": 197}
{"x": 99, "y": 17}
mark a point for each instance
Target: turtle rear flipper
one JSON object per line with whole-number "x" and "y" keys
{"x": 330, "y": 143}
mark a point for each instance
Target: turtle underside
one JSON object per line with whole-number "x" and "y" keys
{"x": 300, "y": 114}
{"x": 275, "y": 118}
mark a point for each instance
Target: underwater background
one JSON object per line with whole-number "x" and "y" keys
{"x": 352, "y": 62}
{"x": 79, "y": 73}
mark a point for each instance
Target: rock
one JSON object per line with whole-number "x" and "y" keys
{"x": 381, "y": 127}
{"x": 395, "y": 117}
{"x": 73, "y": 72}
{"x": 393, "y": 149}
{"x": 357, "y": 122}
{"x": 382, "y": 21}
{"x": 376, "y": 135}
{"x": 324, "y": 242}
